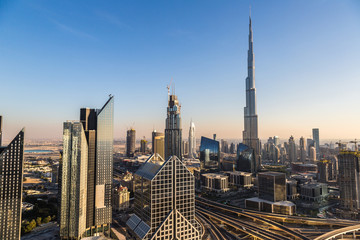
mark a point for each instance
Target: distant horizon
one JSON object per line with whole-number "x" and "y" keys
{"x": 54, "y": 61}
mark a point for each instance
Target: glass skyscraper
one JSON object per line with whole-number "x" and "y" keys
{"x": 173, "y": 131}
{"x": 130, "y": 142}
{"x": 245, "y": 161}
{"x": 74, "y": 182}
{"x": 316, "y": 138}
{"x": 164, "y": 201}
{"x": 97, "y": 125}
{"x": 209, "y": 153}
{"x": 250, "y": 133}
{"x": 11, "y": 182}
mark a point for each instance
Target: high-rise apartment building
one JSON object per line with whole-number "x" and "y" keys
{"x": 349, "y": 179}
{"x": 159, "y": 145}
{"x": 153, "y": 135}
{"x": 97, "y": 126}
{"x": 309, "y": 143}
{"x": 130, "y": 142}
{"x": 164, "y": 201}
{"x": 11, "y": 182}
{"x": 316, "y": 138}
{"x": 192, "y": 141}
{"x": 302, "y": 150}
{"x": 312, "y": 156}
{"x": 143, "y": 145}
{"x": 173, "y": 131}
{"x": 250, "y": 133}
{"x": 292, "y": 150}
{"x": 272, "y": 186}
{"x": 74, "y": 182}
{"x": 276, "y": 140}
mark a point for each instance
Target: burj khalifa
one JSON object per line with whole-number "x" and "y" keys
{"x": 250, "y": 133}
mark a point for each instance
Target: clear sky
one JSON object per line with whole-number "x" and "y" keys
{"x": 58, "y": 56}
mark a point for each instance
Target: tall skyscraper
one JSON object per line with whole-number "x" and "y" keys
{"x": 312, "y": 156}
{"x": 276, "y": 140}
{"x": 97, "y": 126}
{"x": 159, "y": 145}
{"x": 349, "y": 179}
{"x": 11, "y": 183}
{"x": 143, "y": 145}
{"x": 173, "y": 131}
{"x": 309, "y": 143}
{"x": 130, "y": 142}
{"x": 250, "y": 133}
{"x": 153, "y": 135}
{"x": 292, "y": 150}
{"x": 74, "y": 182}
{"x": 164, "y": 203}
{"x": 192, "y": 141}
{"x": 0, "y": 131}
{"x": 316, "y": 138}
{"x": 302, "y": 149}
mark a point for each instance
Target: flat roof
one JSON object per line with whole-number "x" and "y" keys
{"x": 272, "y": 173}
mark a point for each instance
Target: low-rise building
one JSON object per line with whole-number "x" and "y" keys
{"x": 240, "y": 179}
{"x": 299, "y": 167}
{"x": 121, "y": 198}
{"x": 313, "y": 191}
{"x": 215, "y": 182}
{"x": 281, "y": 207}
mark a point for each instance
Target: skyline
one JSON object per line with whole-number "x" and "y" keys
{"x": 203, "y": 52}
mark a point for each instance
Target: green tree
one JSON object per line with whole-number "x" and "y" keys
{"x": 38, "y": 221}
{"x": 30, "y": 226}
{"x": 47, "y": 219}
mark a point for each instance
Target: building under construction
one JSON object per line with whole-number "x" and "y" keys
{"x": 349, "y": 179}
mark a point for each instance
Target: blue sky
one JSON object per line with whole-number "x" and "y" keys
{"x": 58, "y": 56}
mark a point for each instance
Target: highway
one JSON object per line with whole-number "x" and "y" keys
{"x": 226, "y": 208}
{"x": 213, "y": 229}
{"x": 294, "y": 219}
{"x": 241, "y": 225}
{"x": 338, "y": 232}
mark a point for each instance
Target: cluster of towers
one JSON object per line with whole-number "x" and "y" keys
{"x": 305, "y": 151}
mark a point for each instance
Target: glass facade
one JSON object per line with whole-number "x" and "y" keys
{"x": 104, "y": 163}
{"x": 96, "y": 130}
{"x": 272, "y": 186}
{"x": 173, "y": 131}
{"x": 164, "y": 201}
{"x": 209, "y": 153}
{"x": 245, "y": 159}
{"x": 74, "y": 181}
{"x": 11, "y": 181}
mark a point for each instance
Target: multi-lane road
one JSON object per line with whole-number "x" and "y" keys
{"x": 262, "y": 222}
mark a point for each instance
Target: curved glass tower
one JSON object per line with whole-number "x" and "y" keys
{"x": 209, "y": 153}
{"x": 245, "y": 159}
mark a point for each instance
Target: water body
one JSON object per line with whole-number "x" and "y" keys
{"x": 38, "y": 151}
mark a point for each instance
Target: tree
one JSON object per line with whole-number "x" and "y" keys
{"x": 30, "y": 226}
{"x": 38, "y": 221}
{"x": 47, "y": 219}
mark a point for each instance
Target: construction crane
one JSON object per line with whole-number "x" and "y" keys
{"x": 340, "y": 144}
{"x": 355, "y": 142}
{"x": 168, "y": 87}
